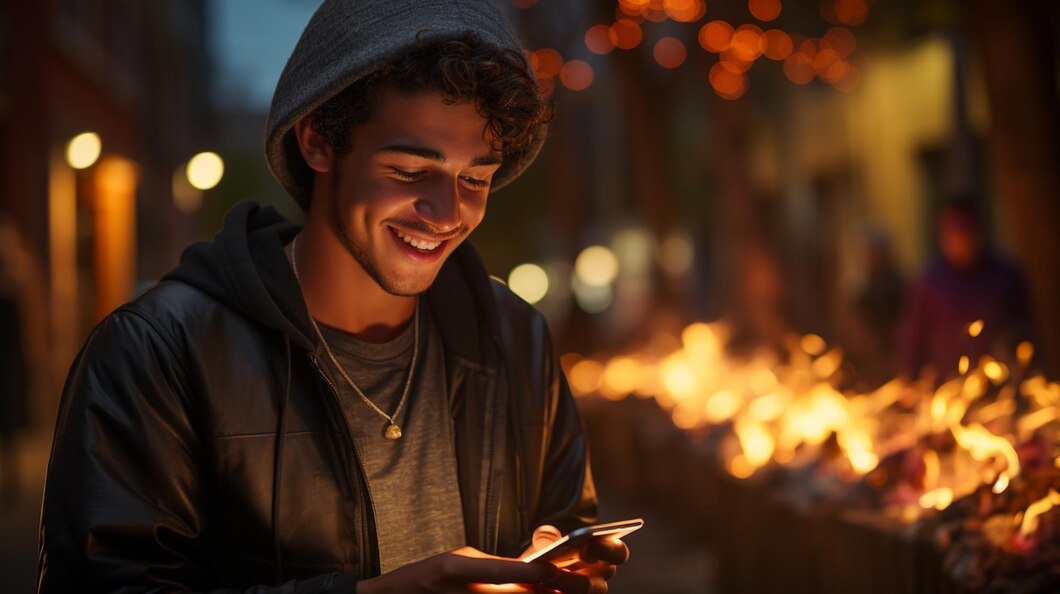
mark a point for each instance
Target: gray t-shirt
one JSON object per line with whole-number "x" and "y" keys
{"x": 413, "y": 479}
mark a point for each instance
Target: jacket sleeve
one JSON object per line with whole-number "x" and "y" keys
{"x": 124, "y": 498}
{"x": 568, "y": 495}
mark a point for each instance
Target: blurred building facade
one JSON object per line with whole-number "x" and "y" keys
{"x": 783, "y": 187}
{"x": 135, "y": 73}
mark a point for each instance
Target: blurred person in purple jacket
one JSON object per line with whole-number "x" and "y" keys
{"x": 968, "y": 281}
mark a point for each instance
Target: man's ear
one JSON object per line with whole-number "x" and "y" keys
{"x": 316, "y": 151}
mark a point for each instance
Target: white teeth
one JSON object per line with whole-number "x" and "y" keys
{"x": 416, "y": 243}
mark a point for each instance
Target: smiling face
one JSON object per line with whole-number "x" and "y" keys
{"x": 412, "y": 186}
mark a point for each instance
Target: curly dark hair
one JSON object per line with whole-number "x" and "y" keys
{"x": 459, "y": 69}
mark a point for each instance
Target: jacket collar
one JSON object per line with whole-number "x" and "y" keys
{"x": 465, "y": 308}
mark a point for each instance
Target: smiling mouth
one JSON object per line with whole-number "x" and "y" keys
{"x": 423, "y": 245}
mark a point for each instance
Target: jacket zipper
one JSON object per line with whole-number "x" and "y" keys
{"x": 357, "y": 454}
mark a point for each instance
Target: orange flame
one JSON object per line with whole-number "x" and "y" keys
{"x": 782, "y": 411}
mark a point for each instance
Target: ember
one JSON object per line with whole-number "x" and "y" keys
{"x": 972, "y": 464}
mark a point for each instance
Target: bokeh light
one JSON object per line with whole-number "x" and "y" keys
{"x": 841, "y": 40}
{"x": 634, "y": 6}
{"x": 83, "y": 150}
{"x": 655, "y": 15}
{"x": 576, "y": 75}
{"x": 727, "y": 83}
{"x": 586, "y": 375}
{"x": 548, "y": 62}
{"x": 798, "y": 67}
{"x": 598, "y": 40}
{"x": 676, "y": 254}
{"x": 634, "y": 247}
{"x": 625, "y": 34}
{"x": 205, "y": 170}
{"x": 808, "y": 47}
{"x": 715, "y": 36}
{"x": 596, "y": 266}
{"x": 732, "y": 61}
{"x": 669, "y": 52}
{"x": 529, "y": 281}
{"x": 778, "y": 45}
{"x": 685, "y": 11}
{"x": 593, "y": 299}
{"x": 764, "y": 10}
{"x": 747, "y": 42}
{"x": 823, "y": 61}
{"x": 851, "y": 12}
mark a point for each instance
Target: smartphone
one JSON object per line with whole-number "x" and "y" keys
{"x": 565, "y": 551}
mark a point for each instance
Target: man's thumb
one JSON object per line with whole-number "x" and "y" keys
{"x": 544, "y": 536}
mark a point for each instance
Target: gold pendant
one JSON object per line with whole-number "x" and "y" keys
{"x": 392, "y": 431}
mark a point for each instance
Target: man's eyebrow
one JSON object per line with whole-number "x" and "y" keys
{"x": 434, "y": 155}
{"x": 415, "y": 151}
{"x": 486, "y": 160}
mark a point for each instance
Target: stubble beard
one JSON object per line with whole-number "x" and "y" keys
{"x": 360, "y": 251}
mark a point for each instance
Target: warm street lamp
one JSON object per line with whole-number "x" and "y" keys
{"x": 205, "y": 170}
{"x": 83, "y": 150}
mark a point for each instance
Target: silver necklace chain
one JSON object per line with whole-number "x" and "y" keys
{"x": 392, "y": 430}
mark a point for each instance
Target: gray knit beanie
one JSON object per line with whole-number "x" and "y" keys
{"x": 348, "y": 39}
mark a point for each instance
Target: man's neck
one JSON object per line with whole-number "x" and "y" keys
{"x": 339, "y": 293}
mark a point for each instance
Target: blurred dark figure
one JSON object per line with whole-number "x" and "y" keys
{"x": 968, "y": 281}
{"x": 876, "y": 310}
{"x": 762, "y": 314}
{"x": 14, "y": 373}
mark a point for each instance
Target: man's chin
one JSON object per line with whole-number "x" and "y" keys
{"x": 406, "y": 287}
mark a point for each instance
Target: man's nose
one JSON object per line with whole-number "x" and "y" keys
{"x": 441, "y": 207}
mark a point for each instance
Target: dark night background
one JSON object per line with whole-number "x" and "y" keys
{"x": 788, "y": 184}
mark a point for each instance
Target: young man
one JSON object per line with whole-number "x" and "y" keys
{"x": 351, "y": 405}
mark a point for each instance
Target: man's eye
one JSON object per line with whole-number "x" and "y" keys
{"x": 476, "y": 183}
{"x": 407, "y": 175}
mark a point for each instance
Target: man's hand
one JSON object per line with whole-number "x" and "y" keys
{"x": 471, "y": 570}
{"x": 598, "y": 559}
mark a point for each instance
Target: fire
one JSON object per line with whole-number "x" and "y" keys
{"x": 937, "y": 498}
{"x": 1036, "y": 509}
{"x": 789, "y": 409}
{"x": 984, "y": 446}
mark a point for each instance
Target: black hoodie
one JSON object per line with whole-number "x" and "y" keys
{"x": 199, "y": 443}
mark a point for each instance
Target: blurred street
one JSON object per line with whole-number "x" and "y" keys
{"x": 19, "y": 518}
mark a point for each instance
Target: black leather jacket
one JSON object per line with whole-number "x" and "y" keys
{"x": 199, "y": 444}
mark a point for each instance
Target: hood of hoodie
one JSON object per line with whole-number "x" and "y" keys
{"x": 346, "y": 40}
{"x": 245, "y": 267}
